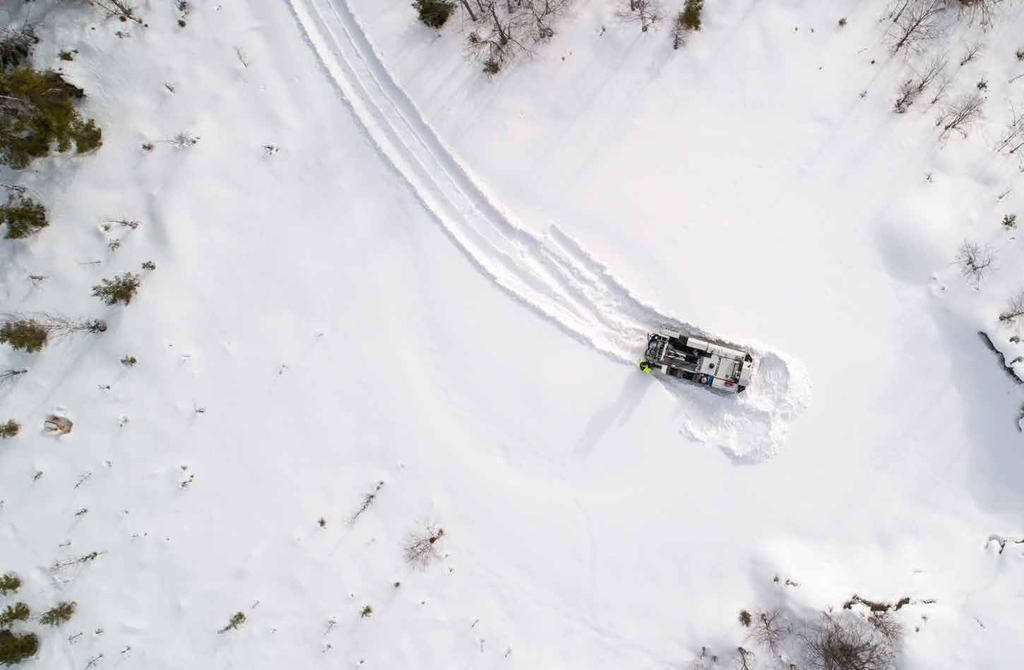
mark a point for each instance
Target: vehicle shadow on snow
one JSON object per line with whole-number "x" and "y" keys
{"x": 618, "y": 411}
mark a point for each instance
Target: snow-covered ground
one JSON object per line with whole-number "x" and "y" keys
{"x": 440, "y": 281}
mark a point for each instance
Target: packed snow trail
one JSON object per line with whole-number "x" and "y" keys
{"x": 550, "y": 274}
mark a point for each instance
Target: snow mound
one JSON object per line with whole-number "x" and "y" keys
{"x": 550, "y": 274}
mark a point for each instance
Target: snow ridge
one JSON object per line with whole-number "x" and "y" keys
{"x": 551, "y": 274}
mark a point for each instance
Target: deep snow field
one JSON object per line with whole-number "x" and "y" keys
{"x": 379, "y": 270}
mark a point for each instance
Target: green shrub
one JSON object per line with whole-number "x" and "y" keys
{"x": 24, "y": 334}
{"x": 16, "y": 647}
{"x": 237, "y": 619}
{"x": 23, "y": 216}
{"x": 120, "y": 289}
{"x": 12, "y": 613}
{"x": 37, "y": 111}
{"x": 690, "y": 17}
{"x": 9, "y": 429}
{"x": 58, "y": 614}
{"x": 434, "y": 13}
{"x": 9, "y": 583}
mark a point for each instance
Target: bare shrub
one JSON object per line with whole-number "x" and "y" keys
{"x": 1012, "y": 139}
{"x": 974, "y": 261}
{"x": 507, "y": 28}
{"x": 421, "y": 547}
{"x": 983, "y": 11}
{"x": 916, "y": 22}
{"x": 11, "y": 374}
{"x": 16, "y": 45}
{"x": 122, "y": 10}
{"x": 847, "y": 642}
{"x": 916, "y": 85}
{"x": 1014, "y": 309}
{"x": 644, "y": 12}
{"x": 769, "y": 629}
{"x": 744, "y": 659}
{"x": 972, "y": 52}
{"x": 960, "y": 115}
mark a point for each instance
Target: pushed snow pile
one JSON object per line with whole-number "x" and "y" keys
{"x": 750, "y": 427}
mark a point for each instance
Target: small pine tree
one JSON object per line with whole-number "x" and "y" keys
{"x": 58, "y": 614}
{"x": 12, "y": 613}
{"x": 23, "y": 216}
{"x": 237, "y": 619}
{"x": 26, "y": 335}
{"x": 120, "y": 289}
{"x": 434, "y": 13}
{"x": 690, "y": 17}
{"x": 9, "y": 583}
{"x": 37, "y": 112}
{"x": 9, "y": 429}
{"x": 16, "y": 647}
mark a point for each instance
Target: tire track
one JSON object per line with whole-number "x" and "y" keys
{"x": 550, "y": 274}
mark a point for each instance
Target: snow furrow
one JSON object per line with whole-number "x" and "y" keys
{"x": 551, "y": 274}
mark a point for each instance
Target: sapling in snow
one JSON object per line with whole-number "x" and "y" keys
{"x": 9, "y": 428}
{"x": 434, "y": 13}
{"x": 59, "y": 614}
{"x": 14, "y": 612}
{"x": 30, "y": 333}
{"x": 22, "y": 216}
{"x": 119, "y": 290}
{"x": 26, "y": 335}
{"x": 9, "y": 583}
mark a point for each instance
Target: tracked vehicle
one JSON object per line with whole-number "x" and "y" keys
{"x": 718, "y": 366}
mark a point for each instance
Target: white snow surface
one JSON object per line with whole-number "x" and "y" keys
{"x": 441, "y": 281}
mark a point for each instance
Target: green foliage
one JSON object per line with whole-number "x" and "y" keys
{"x": 690, "y": 16}
{"x": 120, "y": 289}
{"x": 434, "y": 13}
{"x": 237, "y": 619}
{"x": 23, "y": 216}
{"x": 745, "y": 618}
{"x": 8, "y": 429}
{"x": 491, "y": 66}
{"x": 58, "y": 614}
{"x": 24, "y": 334}
{"x": 12, "y": 613}
{"x": 16, "y": 46}
{"x": 37, "y": 112}
{"x": 9, "y": 583}
{"x": 67, "y": 55}
{"x": 16, "y": 647}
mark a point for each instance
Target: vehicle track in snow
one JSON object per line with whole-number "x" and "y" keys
{"x": 550, "y": 274}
